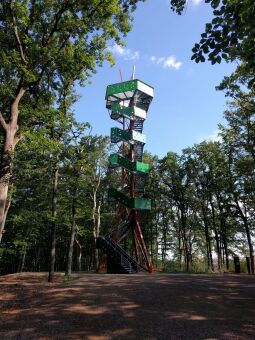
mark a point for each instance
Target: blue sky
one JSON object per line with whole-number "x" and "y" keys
{"x": 186, "y": 107}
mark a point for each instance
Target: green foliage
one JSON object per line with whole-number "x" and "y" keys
{"x": 47, "y": 44}
{"x": 178, "y": 5}
{"x": 197, "y": 198}
{"x": 204, "y": 201}
{"x": 229, "y": 36}
{"x": 83, "y": 157}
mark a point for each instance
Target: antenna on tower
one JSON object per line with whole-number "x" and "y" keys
{"x": 133, "y": 73}
{"x": 120, "y": 75}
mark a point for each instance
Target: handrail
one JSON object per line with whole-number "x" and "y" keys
{"x": 120, "y": 229}
{"x": 120, "y": 251}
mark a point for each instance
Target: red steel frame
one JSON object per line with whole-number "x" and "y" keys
{"x": 133, "y": 216}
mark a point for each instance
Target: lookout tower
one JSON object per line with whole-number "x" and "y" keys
{"x": 128, "y": 103}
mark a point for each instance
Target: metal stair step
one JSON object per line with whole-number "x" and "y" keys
{"x": 117, "y": 254}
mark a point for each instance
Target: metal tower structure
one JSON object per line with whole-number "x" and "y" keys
{"x": 128, "y": 103}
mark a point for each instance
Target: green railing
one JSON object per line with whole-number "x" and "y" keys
{"x": 117, "y": 160}
{"x": 130, "y": 136}
{"x": 131, "y": 203}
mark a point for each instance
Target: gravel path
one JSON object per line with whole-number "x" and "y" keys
{"x": 142, "y": 306}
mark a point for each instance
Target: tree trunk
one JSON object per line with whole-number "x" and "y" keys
{"x": 10, "y": 141}
{"x": 218, "y": 249}
{"x": 156, "y": 251}
{"x": 79, "y": 254}
{"x": 216, "y": 234}
{"x": 24, "y": 253}
{"x": 98, "y": 229}
{"x": 180, "y": 248}
{"x": 223, "y": 233}
{"x": 208, "y": 240}
{"x": 3, "y": 204}
{"x": 185, "y": 241}
{"x": 251, "y": 251}
{"x": 53, "y": 223}
{"x": 96, "y": 220}
{"x": 72, "y": 236}
{"x": 37, "y": 261}
{"x": 209, "y": 250}
{"x": 182, "y": 228}
{"x": 225, "y": 246}
{"x": 151, "y": 241}
{"x": 95, "y": 260}
{"x": 248, "y": 233}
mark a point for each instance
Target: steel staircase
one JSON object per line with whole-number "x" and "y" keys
{"x": 139, "y": 152}
{"x": 117, "y": 259}
{"x": 140, "y": 183}
{"x": 122, "y": 230}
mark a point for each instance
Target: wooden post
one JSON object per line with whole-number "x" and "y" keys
{"x": 248, "y": 263}
{"x": 237, "y": 264}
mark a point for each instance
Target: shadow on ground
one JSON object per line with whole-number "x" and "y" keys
{"x": 129, "y": 307}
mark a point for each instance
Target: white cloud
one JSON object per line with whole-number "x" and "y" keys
{"x": 196, "y": 2}
{"x": 171, "y": 62}
{"x": 167, "y": 62}
{"x": 160, "y": 60}
{"x": 129, "y": 54}
{"x": 212, "y": 137}
{"x": 125, "y": 53}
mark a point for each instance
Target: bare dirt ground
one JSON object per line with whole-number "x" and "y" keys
{"x": 157, "y": 306}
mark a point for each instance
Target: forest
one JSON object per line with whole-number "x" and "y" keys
{"x": 55, "y": 172}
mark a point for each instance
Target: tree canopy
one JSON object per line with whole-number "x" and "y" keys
{"x": 230, "y": 34}
{"x": 46, "y": 48}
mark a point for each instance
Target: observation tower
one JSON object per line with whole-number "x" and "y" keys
{"x": 128, "y": 103}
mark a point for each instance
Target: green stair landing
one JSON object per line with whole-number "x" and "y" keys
{"x": 139, "y": 167}
{"x": 131, "y": 113}
{"x": 130, "y": 136}
{"x": 131, "y": 203}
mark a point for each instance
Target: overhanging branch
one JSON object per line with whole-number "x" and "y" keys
{"x": 16, "y": 32}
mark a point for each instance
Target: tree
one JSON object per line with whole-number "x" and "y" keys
{"x": 239, "y": 145}
{"x": 178, "y": 189}
{"x": 213, "y": 187}
{"x": 29, "y": 219}
{"x": 230, "y": 34}
{"x": 97, "y": 160}
{"x": 39, "y": 41}
{"x": 76, "y": 172}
